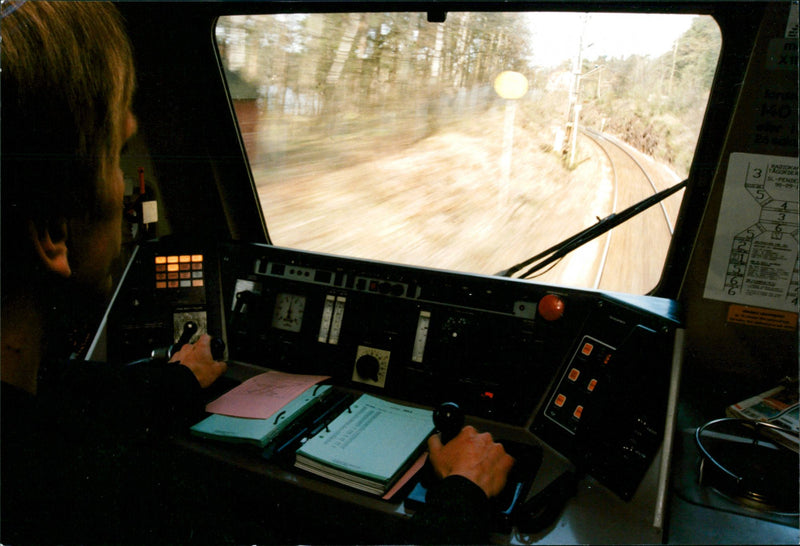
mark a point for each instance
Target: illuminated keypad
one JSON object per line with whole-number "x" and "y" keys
{"x": 179, "y": 271}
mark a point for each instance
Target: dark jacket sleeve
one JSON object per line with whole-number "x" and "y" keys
{"x": 455, "y": 511}
{"x": 113, "y": 400}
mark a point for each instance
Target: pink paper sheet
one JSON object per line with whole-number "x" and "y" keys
{"x": 261, "y": 396}
{"x": 410, "y": 473}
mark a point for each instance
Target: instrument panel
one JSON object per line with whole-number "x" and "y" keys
{"x": 583, "y": 371}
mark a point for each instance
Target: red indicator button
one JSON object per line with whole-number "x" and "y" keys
{"x": 587, "y": 349}
{"x": 551, "y": 307}
{"x": 577, "y": 413}
{"x": 592, "y": 384}
{"x": 607, "y": 358}
{"x": 560, "y": 400}
{"x": 574, "y": 373}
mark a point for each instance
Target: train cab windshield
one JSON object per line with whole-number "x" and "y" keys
{"x": 474, "y": 140}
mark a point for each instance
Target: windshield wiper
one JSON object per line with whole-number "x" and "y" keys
{"x": 558, "y": 251}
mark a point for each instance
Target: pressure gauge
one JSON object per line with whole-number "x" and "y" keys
{"x": 288, "y": 314}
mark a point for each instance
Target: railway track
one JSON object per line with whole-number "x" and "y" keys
{"x": 633, "y": 253}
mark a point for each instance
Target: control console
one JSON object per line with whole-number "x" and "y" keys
{"x": 584, "y": 371}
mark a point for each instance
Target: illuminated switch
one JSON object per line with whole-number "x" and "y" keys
{"x": 560, "y": 400}
{"x": 577, "y": 413}
{"x": 592, "y": 384}
{"x": 574, "y": 373}
{"x": 587, "y": 349}
{"x": 161, "y": 259}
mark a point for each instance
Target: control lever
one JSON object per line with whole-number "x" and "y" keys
{"x": 448, "y": 419}
{"x": 165, "y": 353}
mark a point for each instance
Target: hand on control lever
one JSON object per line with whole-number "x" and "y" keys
{"x": 201, "y": 357}
{"x": 448, "y": 419}
{"x": 473, "y": 455}
{"x": 166, "y": 353}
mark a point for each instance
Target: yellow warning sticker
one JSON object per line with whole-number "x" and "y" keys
{"x": 757, "y": 316}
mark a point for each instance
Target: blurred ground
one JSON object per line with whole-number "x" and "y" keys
{"x": 441, "y": 202}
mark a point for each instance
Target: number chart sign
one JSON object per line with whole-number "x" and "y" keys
{"x": 754, "y": 260}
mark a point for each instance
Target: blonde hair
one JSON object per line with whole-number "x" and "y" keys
{"x": 67, "y": 87}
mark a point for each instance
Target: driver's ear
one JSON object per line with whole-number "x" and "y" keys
{"x": 50, "y": 243}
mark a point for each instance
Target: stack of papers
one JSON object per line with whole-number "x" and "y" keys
{"x": 778, "y": 406}
{"x": 369, "y": 446}
{"x": 260, "y": 408}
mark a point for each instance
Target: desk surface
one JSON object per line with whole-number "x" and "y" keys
{"x": 296, "y": 507}
{"x": 341, "y": 514}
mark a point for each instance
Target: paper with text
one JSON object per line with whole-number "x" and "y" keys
{"x": 374, "y": 439}
{"x": 261, "y": 396}
{"x": 754, "y": 260}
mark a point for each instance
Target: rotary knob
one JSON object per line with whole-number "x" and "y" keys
{"x": 367, "y": 367}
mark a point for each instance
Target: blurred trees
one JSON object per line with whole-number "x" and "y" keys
{"x": 657, "y": 105}
{"x": 391, "y": 73}
{"x": 368, "y": 75}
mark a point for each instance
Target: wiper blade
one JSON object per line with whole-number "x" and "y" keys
{"x": 558, "y": 251}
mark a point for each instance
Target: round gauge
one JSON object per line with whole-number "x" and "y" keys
{"x": 288, "y": 314}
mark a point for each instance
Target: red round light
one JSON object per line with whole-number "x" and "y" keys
{"x": 551, "y": 307}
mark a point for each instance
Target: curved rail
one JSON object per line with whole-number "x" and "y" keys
{"x": 599, "y": 138}
{"x": 604, "y": 256}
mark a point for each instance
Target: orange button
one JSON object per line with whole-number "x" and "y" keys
{"x": 592, "y": 384}
{"x": 587, "y": 349}
{"x": 560, "y": 399}
{"x": 574, "y": 373}
{"x": 161, "y": 259}
{"x": 577, "y": 413}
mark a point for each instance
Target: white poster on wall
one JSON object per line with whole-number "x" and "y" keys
{"x": 754, "y": 260}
